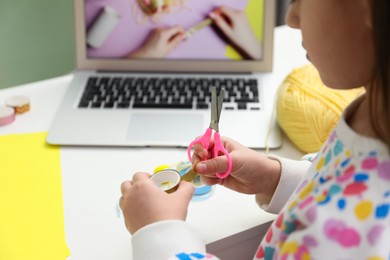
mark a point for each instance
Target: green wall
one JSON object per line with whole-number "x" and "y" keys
{"x": 36, "y": 40}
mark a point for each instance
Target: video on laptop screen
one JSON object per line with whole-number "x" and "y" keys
{"x": 175, "y": 29}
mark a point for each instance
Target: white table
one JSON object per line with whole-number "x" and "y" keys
{"x": 92, "y": 175}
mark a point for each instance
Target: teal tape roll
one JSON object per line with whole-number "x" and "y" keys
{"x": 200, "y": 187}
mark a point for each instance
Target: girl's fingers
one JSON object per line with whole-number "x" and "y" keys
{"x": 126, "y": 185}
{"x": 227, "y": 11}
{"x": 185, "y": 190}
{"x": 199, "y": 154}
{"x": 214, "y": 165}
{"x": 140, "y": 176}
{"x": 209, "y": 181}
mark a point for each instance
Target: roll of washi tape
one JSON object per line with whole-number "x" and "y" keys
{"x": 21, "y": 104}
{"x": 200, "y": 187}
{"x": 162, "y": 167}
{"x": 184, "y": 169}
{"x": 183, "y": 166}
{"x": 7, "y": 115}
{"x": 102, "y": 27}
{"x": 205, "y": 196}
{"x": 168, "y": 180}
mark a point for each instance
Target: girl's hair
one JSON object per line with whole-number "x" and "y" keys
{"x": 381, "y": 82}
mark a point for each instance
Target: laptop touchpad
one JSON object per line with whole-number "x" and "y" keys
{"x": 154, "y": 129}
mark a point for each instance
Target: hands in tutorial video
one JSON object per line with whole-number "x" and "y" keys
{"x": 232, "y": 24}
{"x": 160, "y": 42}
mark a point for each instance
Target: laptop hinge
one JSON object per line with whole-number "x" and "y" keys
{"x": 175, "y": 73}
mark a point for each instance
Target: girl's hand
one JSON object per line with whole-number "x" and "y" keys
{"x": 143, "y": 203}
{"x": 252, "y": 172}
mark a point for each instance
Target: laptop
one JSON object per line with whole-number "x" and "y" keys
{"x": 145, "y": 69}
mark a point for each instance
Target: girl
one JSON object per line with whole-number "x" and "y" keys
{"x": 339, "y": 208}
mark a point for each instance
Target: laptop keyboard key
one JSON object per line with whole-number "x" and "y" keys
{"x": 96, "y": 104}
{"x": 84, "y": 104}
{"x": 166, "y": 92}
{"x": 202, "y": 105}
{"x": 123, "y": 105}
{"x": 108, "y": 104}
{"x": 241, "y": 105}
{"x": 161, "y": 105}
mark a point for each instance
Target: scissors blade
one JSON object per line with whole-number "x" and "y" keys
{"x": 217, "y": 96}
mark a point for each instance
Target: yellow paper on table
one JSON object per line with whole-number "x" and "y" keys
{"x": 31, "y": 205}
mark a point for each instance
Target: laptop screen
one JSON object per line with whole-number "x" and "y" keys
{"x": 191, "y": 35}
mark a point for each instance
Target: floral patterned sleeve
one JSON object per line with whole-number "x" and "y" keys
{"x": 341, "y": 208}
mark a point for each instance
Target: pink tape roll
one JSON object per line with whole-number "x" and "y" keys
{"x": 7, "y": 115}
{"x": 21, "y": 104}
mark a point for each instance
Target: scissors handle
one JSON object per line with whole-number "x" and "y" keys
{"x": 218, "y": 149}
{"x": 204, "y": 140}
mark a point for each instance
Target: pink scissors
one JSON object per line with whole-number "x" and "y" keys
{"x": 216, "y": 107}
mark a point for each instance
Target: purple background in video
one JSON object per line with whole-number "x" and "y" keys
{"x": 130, "y": 33}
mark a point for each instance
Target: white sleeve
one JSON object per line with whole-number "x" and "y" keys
{"x": 165, "y": 239}
{"x": 291, "y": 175}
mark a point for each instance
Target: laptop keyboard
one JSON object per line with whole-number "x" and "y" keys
{"x": 178, "y": 93}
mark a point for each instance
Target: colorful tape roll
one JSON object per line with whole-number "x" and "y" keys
{"x": 168, "y": 180}
{"x": 7, "y": 115}
{"x": 183, "y": 168}
{"x": 20, "y": 104}
{"x": 200, "y": 187}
